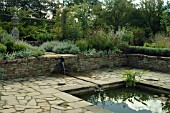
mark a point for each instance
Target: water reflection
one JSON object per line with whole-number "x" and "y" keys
{"x": 129, "y": 101}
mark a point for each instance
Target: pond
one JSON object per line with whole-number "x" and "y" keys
{"x": 129, "y": 100}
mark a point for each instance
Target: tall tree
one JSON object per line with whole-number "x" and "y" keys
{"x": 152, "y": 11}
{"x": 116, "y": 12}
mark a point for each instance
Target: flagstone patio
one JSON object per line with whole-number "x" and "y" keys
{"x": 44, "y": 94}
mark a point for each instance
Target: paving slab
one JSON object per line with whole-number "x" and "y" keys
{"x": 55, "y": 111}
{"x": 43, "y": 94}
{"x": 48, "y": 91}
{"x": 33, "y": 110}
{"x": 79, "y": 104}
{"x": 79, "y": 110}
{"x": 66, "y": 97}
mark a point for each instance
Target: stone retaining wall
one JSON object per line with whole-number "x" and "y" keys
{"x": 49, "y": 64}
{"x": 156, "y": 63}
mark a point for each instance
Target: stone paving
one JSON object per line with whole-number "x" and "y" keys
{"x": 45, "y": 95}
{"x": 112, "y": 75}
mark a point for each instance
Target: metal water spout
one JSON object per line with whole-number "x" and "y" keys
{"x": 63, "y": 65}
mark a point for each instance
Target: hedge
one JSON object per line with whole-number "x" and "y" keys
{"x": 165, "y": 52}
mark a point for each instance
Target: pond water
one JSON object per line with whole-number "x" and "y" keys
{"x": 129, "y": 100}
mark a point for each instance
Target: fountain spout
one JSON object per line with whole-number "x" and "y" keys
{"x": 62, "y": 64}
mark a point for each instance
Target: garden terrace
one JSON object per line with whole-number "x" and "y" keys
{"x": 42, "y": 94}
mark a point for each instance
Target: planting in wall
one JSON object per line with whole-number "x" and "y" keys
{"x": 130, "y": 77}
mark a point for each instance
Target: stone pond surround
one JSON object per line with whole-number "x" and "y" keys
{"x": 49, "y": 64}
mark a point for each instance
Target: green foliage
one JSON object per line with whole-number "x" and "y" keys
{"x": 9, "y": 56}
{"x": 90, "y": 52}
{"x": 103, "y": 41}
{"x": 19, "y": 49}
{"x": 139, "y": 36}
{"x": 6, "y": 26}
{"x": 168, "y": 30}
{"x": 82, "y": 44}
{"x": 125, "y": 35}
{"x": 162, "y": 41}
{"x": 73, "y": 32}
{"x": 39, "y": 33}
{"x": 130, "y": 77}
{"x": 152, "y": 11}
{"x": 66, "y": 47}
{"x": 43, "y": 37}
{"x": 57, "y": 32}
{"x": 3, "y": 48}
{"x": 19, "y": 46}
{"x": 152, "y": 45}
{"x": 8, "y": 42}
{"x": 29, "y": 32}
{"x": 148, "y": 51}
{"x": 1, "y": 56}
{"x": 36, "y": 51}
{"x": 22, "y": 54}
{"x": 123, "y": 46}
{"x": 48, "y": 46}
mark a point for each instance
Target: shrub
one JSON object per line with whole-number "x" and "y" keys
{"x": 23, "y": 54}
{"x": 98, "y": 41}
{"x": 9, "y": 44}
{"x": 139, "y": 36}
{"x": 61, "y": 47}
{"x": 148, "y": 51}
{"x": 48, "y": 46}
{"x": 90, "y": 52}
{"x": 57, "y": 33}
{"x": 1, "y": 56}
{"x": 43, "y": 37}
{"x": 73, "y": 32}
{"x": 125, "y": 35}
{"x": 162, "y": 41}
{"x": 9, "y": 56}
{"x": 103, "y": 41}
{"x": 36, "y": 51}
{"x": 3, "y": 48}
{"x": 82, "y": 44}
{"x": 20, "y": 46}
{"x": 66, "y": 48}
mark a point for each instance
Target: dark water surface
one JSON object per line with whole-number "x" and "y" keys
{"x": 129, "y": 100}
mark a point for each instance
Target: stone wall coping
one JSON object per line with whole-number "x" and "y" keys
{"x": 57, "y": 56}
{"x": 99, "y": 56}
{"x": 149, "y": 56}
{"x": 37, "y": 58}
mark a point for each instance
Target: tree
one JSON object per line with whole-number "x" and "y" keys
{"x": 151, "y": 12}
{"x": 116, "y": 12}
{"x": 38, "y": 6}
{"x": 165, "y": 20}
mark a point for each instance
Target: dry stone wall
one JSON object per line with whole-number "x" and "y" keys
{"x": 48, "y": 65}
{"x": 156, "y": 63}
